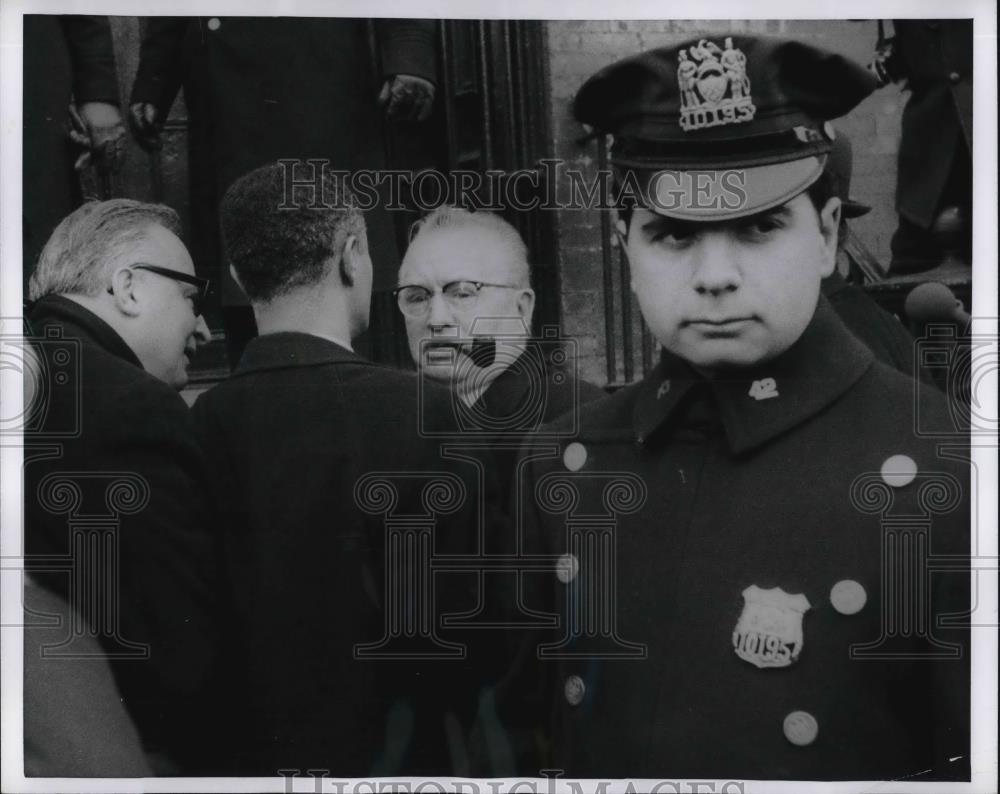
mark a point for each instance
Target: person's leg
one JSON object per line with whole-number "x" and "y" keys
{"x": 914, "y": 249}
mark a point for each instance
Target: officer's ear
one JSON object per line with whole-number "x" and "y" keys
{"x": 621, "y": 229}
{"x": 829, "y": 230}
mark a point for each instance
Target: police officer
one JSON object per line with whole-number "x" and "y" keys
{"x": 723, "y": 537}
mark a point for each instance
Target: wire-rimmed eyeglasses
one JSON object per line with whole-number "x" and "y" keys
{"x": 461, "y": 296}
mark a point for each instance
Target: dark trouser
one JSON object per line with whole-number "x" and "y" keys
{"x": 915, "y": 248}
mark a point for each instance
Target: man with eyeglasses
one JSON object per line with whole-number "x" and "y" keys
{"x": 465, "y": 294}
{"x": 115, "y": 321}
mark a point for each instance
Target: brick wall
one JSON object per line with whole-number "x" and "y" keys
{"x": 578, "y": 48}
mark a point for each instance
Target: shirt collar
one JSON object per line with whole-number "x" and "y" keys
{"x": 762, "y": 402}
{"x": 292, "y": 349}
{"x": 335, "y": 339}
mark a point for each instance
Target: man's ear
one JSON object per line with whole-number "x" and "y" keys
{"x": 829, "y": 229}
{"x": 526, "y": 306}
{"x": 125, "y": 292}
{"x": 350, "y": 260}
{"x": 236, "y": 278}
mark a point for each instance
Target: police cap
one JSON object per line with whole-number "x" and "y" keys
{"x": 722, "y": 127}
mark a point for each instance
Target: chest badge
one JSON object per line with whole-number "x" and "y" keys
{"x": 769, "y": 631}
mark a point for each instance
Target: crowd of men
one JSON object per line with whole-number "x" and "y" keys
{"x": 490, "y": 567}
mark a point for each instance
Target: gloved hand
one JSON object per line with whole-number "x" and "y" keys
{"x": 407, "y": 97}
{"x": 146, "y": 124}
{"x": 98, "y": 128}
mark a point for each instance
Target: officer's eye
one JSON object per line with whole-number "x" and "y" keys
{"x": 758, "y": 226}
{"x": 670, "y": 231}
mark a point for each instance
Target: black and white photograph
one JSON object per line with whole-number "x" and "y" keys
{"x": 492, "y": 398}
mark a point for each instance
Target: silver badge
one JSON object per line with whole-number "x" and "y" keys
{"x": 714, "y": 86}
{"x": 769, "y": 632}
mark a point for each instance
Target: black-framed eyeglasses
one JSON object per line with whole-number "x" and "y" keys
{"x": 461, "y": 296}
{"x": 203, "y": 284}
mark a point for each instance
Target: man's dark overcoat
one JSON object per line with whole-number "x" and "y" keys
{"x": 112, "y": 471}
{"x": 311, "y": 560}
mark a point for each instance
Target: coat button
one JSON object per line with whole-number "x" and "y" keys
{"x": 574, "y": 689}
{"x": 899, "y": 470}
{"x": 574, "y": 456}
{"x": 801, "y": 728}
{"x": 848, "y": 597}
{"x": 567, "y": 568}
{"x": 214, "y": 23}
{"x": 955, "y": 77}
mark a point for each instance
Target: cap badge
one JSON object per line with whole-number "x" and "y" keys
{"x": 769, "y": 632}
{"x": 714, "y": 86}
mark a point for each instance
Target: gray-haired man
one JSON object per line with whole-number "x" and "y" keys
{"x": 114, "y": 482}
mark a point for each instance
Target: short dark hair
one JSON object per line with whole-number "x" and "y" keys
{"x": 823, "y": 189}
{"x": 280, "y": 233}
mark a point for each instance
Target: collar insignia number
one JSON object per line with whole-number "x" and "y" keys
{"x": 763, "y": 389}
{"x": 769, "y": 632}
{"x": 714, "y": 86}
{"x": 664, "y": 389}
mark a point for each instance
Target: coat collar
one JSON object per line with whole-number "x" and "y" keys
{"x": 292, "y": 349}
{"x": 760, "y": 403}
{"x": 57, "y": 308}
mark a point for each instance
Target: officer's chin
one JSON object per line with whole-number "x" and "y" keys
{"x": 721, "y": 355}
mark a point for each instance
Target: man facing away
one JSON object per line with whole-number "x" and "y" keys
{"x": 332, "y": 505}
{"x": 115, "y": 500}
{"x": 726, "y": 536}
